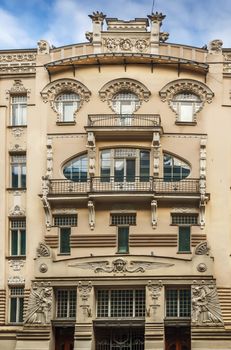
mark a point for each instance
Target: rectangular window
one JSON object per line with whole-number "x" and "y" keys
{"x": 123, "y": 219}
{"x": 66, "y": 303}
{"x": 121, "y": 303}
{"x": 184, "y": 239}
{"x": 123, "y": 239}
{"x": 18, "y": 171}
{"x": 64, "y": 240}
{"x": 65, "y": 220}
{"x": 144, "y": 165}
{"x": 184, "y": 219}
{"x": 16, "y": 304}
{"x": 178, "y": 302}
{"x": 17, "y": 237}
{"x": 18, "y": 110}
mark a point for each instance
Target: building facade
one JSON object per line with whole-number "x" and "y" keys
{"x": 114, "y": 232}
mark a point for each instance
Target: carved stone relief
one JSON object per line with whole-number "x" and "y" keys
{"x": 17, "y": 88}
{"x": 84, "y": 294}
{"x": 52, "y": 90}
{"x": 39, "y": 304}
{"x": 202, "y": 249}
{"x": 91, "y": 214}
{"x": 154, "y": 213}
{"x": 126, "y": 44}
{"x": 120, "y": 265}
{"x": 43, "y": 250}
{"x": 16, "y": 280}
{"x": 92, "y": 161}
{"x": 205, "y": 304}
{"x": 17, "y": 132}
{"x": 43, "y": 268}
{"x": 16, "y": 265}
{"x": 17, "y": 211}
{"x": 49, "y": 171}
{"x": 20, "y": 57}
{"x": 201, "y": 267}
{"x": 215, "y": 46}
{"x": 227, "y": 63}
{"x": 46, "y": 204}
{"x": 155, "y": 291}
{"x": 156, "y": 153}
{"x": 43, "y": 47}
{"x": 109, "y": 90}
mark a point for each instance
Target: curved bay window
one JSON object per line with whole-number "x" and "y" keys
{"x": 175, "y": 169}
{"x": 125, "y": 165}
{"x": 186, "y": 105}
{"x": 125, "y": 104}
{"x": 66, "y": 105}
{"x": 76, "y": 169}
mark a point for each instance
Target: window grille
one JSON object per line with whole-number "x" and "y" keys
{"x": 121, "y": 303}
{"x": 18, "y": 223}
{"x": 16, "y": 304}
{"x": 123, "y": 219}
{"x": 65, "y": 220}
{"x": 185, "y": 219}
{"x": 178, "y": 302}
{"x": 66, "y": 303}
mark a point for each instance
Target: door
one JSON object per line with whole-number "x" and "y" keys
{"x": 64, "y": 338}
{"x": 120, "y": 339}
{"x": 177, "y": 338}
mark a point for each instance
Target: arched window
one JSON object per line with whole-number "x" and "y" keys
{"x": 66, "y": 105}
{"x": 125, "y": 102}
{"x": 76, "y": 169}
{"x": 186, "y": 105}
{"x": 175, "y": 169}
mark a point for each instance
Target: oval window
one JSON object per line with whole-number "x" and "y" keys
{"x": 77, "y": 169}
{"x": 175, "y": 169}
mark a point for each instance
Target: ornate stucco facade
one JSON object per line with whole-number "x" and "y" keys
{"x": 115, "y": 192}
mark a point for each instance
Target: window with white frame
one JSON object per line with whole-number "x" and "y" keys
{"x": 121, "y": 303}
{"x": 175, "y": 169}
{"x": 77, "y": 169}
{"x": 178, "y": 302}
{"x": 125, "y": 103}
{"x": 65, "y": 222}
{"x": 18, "y": 237}
{"x": 18, "y": 170}
{"x": 184, "y": 221}
{"x": 18, "y": 110}
{"x": 186, "y": 105}
{"x": 125, "y": 165}
{"x": 66, "y": 303}
{"x": 66, "y": 105}
{"x": 16, "y": 300}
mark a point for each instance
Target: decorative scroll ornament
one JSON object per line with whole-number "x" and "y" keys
{"x": 39, "y": 304}
{"x": 43, "y": 250}
{"x": 16, "y": 280}
{"x": 91, "y": 214}
{"x": 52, "y": 90}
{"x": 109, "y": 90}
{"x": 84, "y": 294}
{"x": 205, "y": 304}
{"x": 121, "y": 266}
{"x": 17, "y": 132}
{"x": 43, "y": 47}
{"x": 16, "y": 265}
{"x": 17, "y": 211}
{"x": 215, "y": 46}
{"x": 155, "y": 291}
{"x": 202, "y": 249}
{"x": 154, "y": 213}
{"x": 195, "y": 87}
{"x": 17, "y": 88}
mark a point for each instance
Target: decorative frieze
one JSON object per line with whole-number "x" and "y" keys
{"x": 20, "y": 57}
{"x": 39, "y": 304}
{"x": 205, "y": 303}
{"x": 84, "y": 291}
{"x": 16, "y": 264}
{"x": 126, "y": 44}
{"x": 16, "y": 280}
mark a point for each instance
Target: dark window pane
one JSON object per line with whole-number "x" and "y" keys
{"x": 14, "y": 242}
{"x": 144, "y": 166}
{"x": 23, "y": 242}
{"x": 131, "y": 164}
{"x": 65, "y": 240}
{"x": 119, "y": 170}
{"x": 14, "y": 176}
{"x": 23, "y": 176}
{"x": 184, "y": 239}
{"x": 20, "y": 316}
{"x": 123, "y": 233}
{"x": 13, "y": 309}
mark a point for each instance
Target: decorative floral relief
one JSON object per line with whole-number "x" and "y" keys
{"x": 84, "y": 293}
{"x": 16, "y": 280}
{"x": 17, "y": 88}
{"x": 155, "y": 291}
{"x": 121, "y": 266}
{"x": 17, "y": 211}
{"x": 205, "y": 303}
{"x": 17, "y": 132}
{"x": 43, "y": 250}
{"x": 21, "y": 57}
{"x": 39, "y": 304}
{"x": 126, "y": 44}
{"x": 16, "y": 265}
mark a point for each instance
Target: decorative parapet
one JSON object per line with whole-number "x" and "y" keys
{"x": 205, "y": 304}
{"x": 52, "y": 90}
{"x": 109, "y": 90}
{"x": 227, "y": 63}
{"x": 39, "y": 304}
{"x": 17, "y": 63}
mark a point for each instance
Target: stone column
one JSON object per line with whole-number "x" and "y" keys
{"x": 97, "y": 21}
{"x": 156, "y": 22}
{"x": 154, "y": 325}
{"x": 85, "y": 312}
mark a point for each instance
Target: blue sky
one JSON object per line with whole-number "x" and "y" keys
{"x": 63, "y": 22}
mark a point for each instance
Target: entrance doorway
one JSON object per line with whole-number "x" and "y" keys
{"x": 118, "y": 338}
{"x": 177, "y": 338}
{"x": 64, "y": 338}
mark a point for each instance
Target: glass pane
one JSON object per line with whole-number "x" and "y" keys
{"x": 185, "y": 302}
{"x": 171, "y": 303}
{"x": 15, "y": 176}
{"x": 123, "y": 239}
{"x": 130, "y": 170}
{"x": 119, "y": 170}
{"x": 13, "y": 309}
{"x": 14, "y": 242}
{"x": 144, "y": 166}
{"x": 186, "y": 112}
{"x": 184, "y": 239}
{"x": 20, "y": 311}
{"x": 76, "y": 170}
{"x": 23, "y": 176}
{"x": 68, "y": 111}
{"x": 105, "y": 166}
{"x": 23, "y": 242}
{"x": 65, "y": 240}
{"x": 174, "y": 168}
{"x": 23, "y": 117}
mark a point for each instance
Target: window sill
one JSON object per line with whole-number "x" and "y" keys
{"x": 65, "y": 123}
{"x": 16, "y": 188}
{"x": 186, "y": 123}
{"x": 187, "y": 252}
{"x": 16, "y": 126}
{"x": 63, "y": 254}
{"x": 16, "y": 257}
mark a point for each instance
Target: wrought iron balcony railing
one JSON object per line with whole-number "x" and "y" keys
{"x": 124, "y": 120}
{"x": 130, "y": 184}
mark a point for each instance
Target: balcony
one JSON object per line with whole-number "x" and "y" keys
{"x": 136, "y": 125}
{"x": 135, "y": 186}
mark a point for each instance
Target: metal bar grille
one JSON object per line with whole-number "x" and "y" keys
{"x": 184, "y": 219}
{"x": 123, "y": 219}
{"x": 121, "y": 120}
{"x": 65, "y": 220}
{"x": 66, "y": 303}
{"x": 178, "y": 303}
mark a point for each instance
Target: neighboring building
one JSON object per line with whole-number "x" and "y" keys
{"x": 115, "y": 193}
